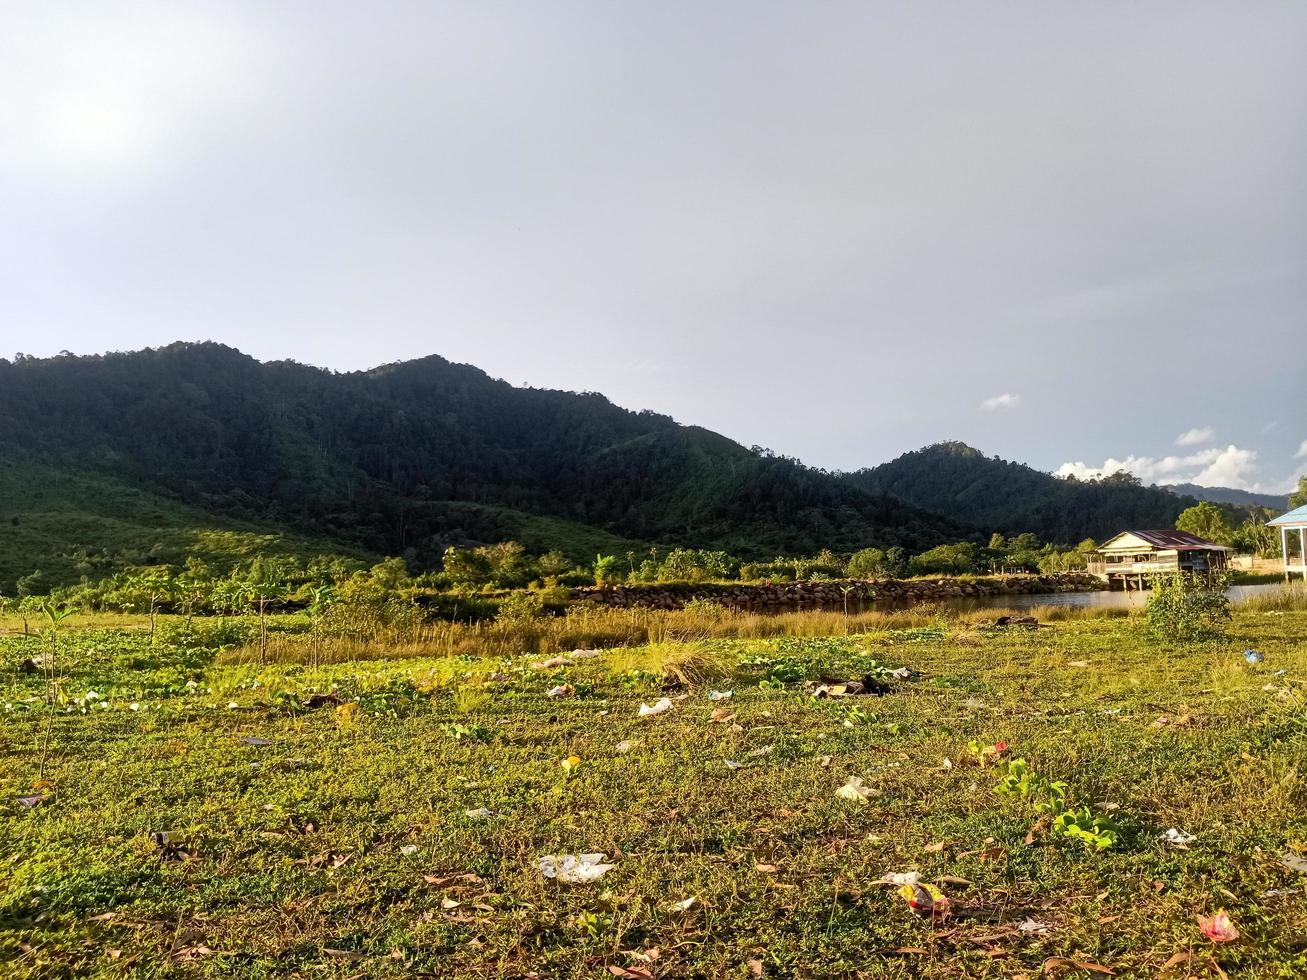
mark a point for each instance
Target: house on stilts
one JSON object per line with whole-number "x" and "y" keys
{"x": 1130, "y": 559}
{"x": 1295, "y": 520}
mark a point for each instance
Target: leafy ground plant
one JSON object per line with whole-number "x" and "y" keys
{"x": 1188, "y": 607}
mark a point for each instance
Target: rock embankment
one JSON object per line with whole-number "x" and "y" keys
{"x": 831, "y": 594}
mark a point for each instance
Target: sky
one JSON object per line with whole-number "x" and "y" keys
{"x": 1070, "y": 234}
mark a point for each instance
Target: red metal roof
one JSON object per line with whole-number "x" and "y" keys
{"x": 1176, "y": 541}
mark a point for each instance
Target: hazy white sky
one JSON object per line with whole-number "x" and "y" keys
{"x": 1064, "y": 232}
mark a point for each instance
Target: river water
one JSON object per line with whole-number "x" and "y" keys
{"x": 1074, "y": 600}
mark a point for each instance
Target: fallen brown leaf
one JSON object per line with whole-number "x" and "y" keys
{"x": 342, "y": 954}
{"x": 1057, "y": 963}
{"x": 636, "y": 972}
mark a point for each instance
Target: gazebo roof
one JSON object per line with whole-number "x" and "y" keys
{"x": 1295, "y": 518}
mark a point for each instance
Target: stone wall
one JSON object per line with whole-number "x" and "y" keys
{"x": 783, "y": 596}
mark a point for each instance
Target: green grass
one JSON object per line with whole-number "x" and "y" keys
{"x": 72, "y": 524}
{"x": 343, "y": 848}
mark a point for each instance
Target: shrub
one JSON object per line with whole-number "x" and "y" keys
{"x": 867, "y": 563}
{"x": 1187, "y": 607}
{"x": 521, "y": 608}
{"x": 946, "y": 559}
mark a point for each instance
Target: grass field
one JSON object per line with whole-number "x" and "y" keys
{"x": 396, "y": 828}
{"x": 68, "y": 525}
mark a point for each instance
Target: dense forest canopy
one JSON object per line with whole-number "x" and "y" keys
{"x": 955, "y": 479}
{"x": 378, "y": 459}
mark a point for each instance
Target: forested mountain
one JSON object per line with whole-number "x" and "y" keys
{"x": 1278, "y": 502}
{"x": 994, "y": 494}
{"x": 404, "y": 458}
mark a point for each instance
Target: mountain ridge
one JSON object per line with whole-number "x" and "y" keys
{"x": 999, "y": 495}
{"x": 375, "y": 458}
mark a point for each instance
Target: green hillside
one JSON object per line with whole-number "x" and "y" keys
{"x": 372, "y": 460}
{"x": 994, "y": 494}
{"x": 70, "y": 524}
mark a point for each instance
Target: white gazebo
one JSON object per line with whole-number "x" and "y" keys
{"x": 1294, "y": 520}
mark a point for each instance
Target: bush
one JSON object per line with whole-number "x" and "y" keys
{"x": 521, "y": 608}
{"x": 867, "y": 563}
{"x": 689, "y": 565}
{"x": 1187, "y": 607}
{"x": 825, "y": 565}
{"x": 946, "y": 559}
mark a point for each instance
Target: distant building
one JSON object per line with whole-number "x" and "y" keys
{"x": 1294, "y": 520}
{"x": 1129, "y": 559}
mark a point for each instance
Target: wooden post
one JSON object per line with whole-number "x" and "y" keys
{"x": 1284, "y": 552}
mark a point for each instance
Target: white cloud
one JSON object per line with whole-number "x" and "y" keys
{"x": 1302, "y": 451}
{"x": 1228, "y": 467}
{"x": 1196, "y": 437}
{"x": 1005, "y": 400}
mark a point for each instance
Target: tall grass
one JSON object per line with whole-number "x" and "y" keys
{"x": 588, "y": 627}
{"x": 1292, "y": 598}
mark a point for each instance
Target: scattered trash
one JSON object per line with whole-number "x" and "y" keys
{"x": 855, "y": 790}
{"x": 1294, "y": 862}
{"x": 409, "y": 849}
{"x": 684, "y": 905}
{"x": 622, "y": 747}
{"x": 171, "y": 845}
{"x": 1218, "y": 928}
{"x": 255, "y": 740}
{"x": 561, "y": 691}
{"x": 925, "y": 898}
{"x": 899, "y": 878}
{"x": 720, "y": 695}
{"x": 1177, "y": 838}
{"x": 551, "y": 663}
{"x": 34, "y": 800}
{"x": 1033, "y": 927}
{"x": 480, "y": 813}
{"x": 571, "y": 764}
{"x": 761, "y": 750}
{"x": 574, "y": 869}
{"x": 1253, "y": 656}
{"x": 583, "y": 654}
{"x": 733, "y": 765}
{"x": 657, "y": 708}
{"x": 720, "y": 716}
{"x": 832, "y": 688}
{"x": 1007, "y": 622}
{"x": 947, "y": 764}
